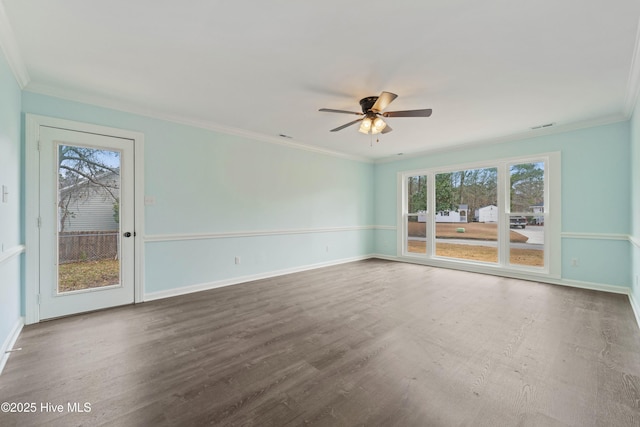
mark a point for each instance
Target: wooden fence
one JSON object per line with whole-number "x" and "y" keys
{"x": 75, "y": 246}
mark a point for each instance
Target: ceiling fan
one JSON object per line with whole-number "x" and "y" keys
{"x": 372, "y": 107}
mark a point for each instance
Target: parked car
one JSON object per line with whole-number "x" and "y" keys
{"x": 517, "y": 222}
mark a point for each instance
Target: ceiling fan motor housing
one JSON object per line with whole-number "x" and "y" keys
{"x": 367, "y": 103}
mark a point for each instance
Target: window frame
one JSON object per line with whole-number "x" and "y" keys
{"x": 417, "y": 214}
{"x": 551, "y": 214}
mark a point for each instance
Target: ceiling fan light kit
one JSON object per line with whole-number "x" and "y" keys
{"x": 365, "y": 125}
{"x": 371, "y": 123}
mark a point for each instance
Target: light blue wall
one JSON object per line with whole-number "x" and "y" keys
{"x": 635, "y": 205}
{"x": 596, "y": 183}
{"x": 10, "y": 212}
{"x": 212, "y": 183}
{"x": 205, "y": 182}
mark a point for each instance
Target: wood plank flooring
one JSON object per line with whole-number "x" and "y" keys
{"x": 373, "y": 343}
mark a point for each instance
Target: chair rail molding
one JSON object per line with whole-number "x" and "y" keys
{"x": 11, "y": 252}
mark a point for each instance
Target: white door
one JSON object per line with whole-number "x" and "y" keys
{"x": 86, "y": 222}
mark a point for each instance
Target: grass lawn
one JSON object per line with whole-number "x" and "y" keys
{"x": 76, "y": 276}
{"x": 529, "y": 257}
{"x": 473, "y": 231}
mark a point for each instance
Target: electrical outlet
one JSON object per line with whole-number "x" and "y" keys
{"x": 574, "y": 262}
{"x": 237, "y": 260}
{"x": 327, "y": 248}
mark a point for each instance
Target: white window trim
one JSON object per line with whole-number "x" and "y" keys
{"x": 552, "y": 214}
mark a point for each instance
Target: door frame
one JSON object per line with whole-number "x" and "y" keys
{"x": 32, "y": 204}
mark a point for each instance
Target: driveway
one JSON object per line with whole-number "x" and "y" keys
{"x": 535, "y": 233}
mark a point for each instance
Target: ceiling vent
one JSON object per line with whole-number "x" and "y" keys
{"x": 546, "y": 125}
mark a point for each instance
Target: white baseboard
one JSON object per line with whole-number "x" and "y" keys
{"x": 387, "y": 257}
{"x": 635, "y": 307}
{"x": 243, "y": 279}
{"x": 614, "y": 289}
{"x": 515, "y": 275}
{"x": 10, "y": 341}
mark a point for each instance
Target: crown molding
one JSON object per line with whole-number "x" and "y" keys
{"x": 125, "y": 107}
{"x": 633, "y": 82}
{"x": 513, "y": 137}
{"x": 11, "y": 52}
{"x": 98, "y": 101}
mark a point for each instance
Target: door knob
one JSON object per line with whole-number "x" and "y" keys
{"x": 127, "y": 234}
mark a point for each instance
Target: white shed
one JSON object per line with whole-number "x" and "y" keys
{"x": 487, "y": 214}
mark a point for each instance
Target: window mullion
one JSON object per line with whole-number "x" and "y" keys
{"x": 503, "y": 219}
{"x": 431, "y": 209}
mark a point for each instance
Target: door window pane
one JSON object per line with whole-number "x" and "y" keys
{"x": 88, "y": 218}
{"x": 467, "y": 215}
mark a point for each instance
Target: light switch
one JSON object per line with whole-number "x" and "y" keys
{"x": 5, "y": 194}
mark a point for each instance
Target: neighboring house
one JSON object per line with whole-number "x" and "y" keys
{"x": 460, "y": 215}
{"x": 89, "y": 206}
{"x": 487, "y": 214}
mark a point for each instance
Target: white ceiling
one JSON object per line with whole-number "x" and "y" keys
{"x": 490, "y": 69}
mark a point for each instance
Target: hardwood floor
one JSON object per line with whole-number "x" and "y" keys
{"x": 367, "y": 343}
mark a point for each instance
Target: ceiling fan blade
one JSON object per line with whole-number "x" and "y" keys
{"x": 330, "y": 110}
{"x": 386, "y": 129}
{"x": 347, "y": 125}
{"x": 409, "y": 113}
{"x": 383, "y": 101}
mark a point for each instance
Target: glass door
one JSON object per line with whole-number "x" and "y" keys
{"x": 86, "y": 222}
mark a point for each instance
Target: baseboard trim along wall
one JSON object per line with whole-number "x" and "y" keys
{"x": 635, "y": 308}
{"x": 514, "y": 275}
{"x": 243, "y": 279}
{"x": 9, "y": 342}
